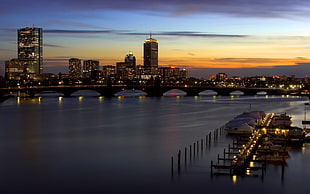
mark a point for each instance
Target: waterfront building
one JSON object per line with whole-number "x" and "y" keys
{"x": 151, "y": 56}
{"x": 172, "y": 73}
{"x": 90, "y": 69}
{"x": 183, "y": 73}
{"x": 125, "y": 71}
{"x": 221, "y": 77}
{"x": 130, "y": 60}
{"x": 169, "y": 73}
{"x": 30, "y": 50}
{"x": 108, "y": 71}
{"x": 74, "y": 68}
{"x": 14, "y": 68}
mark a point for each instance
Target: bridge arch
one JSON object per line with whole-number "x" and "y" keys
{"x": 174, "y": 92}
{"x": 85, "y": 93}
{"x": 132, "y": 92}
{"x": 236, "y": 93}
{"x": 261, "y": 93}
{"x": 208, "y": 93}
{"x": 49, "y": 93}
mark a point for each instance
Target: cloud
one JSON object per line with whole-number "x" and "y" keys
{"x": 124, "y": 32}
{"x": 53, "y": 31}
{"x": 53, "y": 45}
{"x": 175, "y": 8}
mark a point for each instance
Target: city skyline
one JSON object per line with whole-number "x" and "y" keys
{"x": 206, "y": 37}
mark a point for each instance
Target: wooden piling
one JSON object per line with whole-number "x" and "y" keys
{"x": 179, "y": 161}
{"x": 172, "y": 165}
{"x": 194, "y": 149}
{"x": 190, "y": 152}
{"x": 185, "y": 155}
{"x": 197, "y": 147}
{"x": 209, "y": 138}
{"x": 201, "y": 145}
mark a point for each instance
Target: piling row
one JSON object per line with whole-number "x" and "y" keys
{"x": 196, "y": 148}
{"x": 239, "y": 155}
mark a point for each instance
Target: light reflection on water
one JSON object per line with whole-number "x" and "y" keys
{"x": 125, "y": 144}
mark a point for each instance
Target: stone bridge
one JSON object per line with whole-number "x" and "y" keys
{"x": 110, "y": 91}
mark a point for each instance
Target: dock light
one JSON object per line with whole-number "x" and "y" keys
{"x": 234, "y": 179}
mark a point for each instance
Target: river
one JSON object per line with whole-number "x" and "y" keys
{"x": 125, "y": 144}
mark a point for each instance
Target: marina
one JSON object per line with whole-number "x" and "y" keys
{"x": 266, "y": 140}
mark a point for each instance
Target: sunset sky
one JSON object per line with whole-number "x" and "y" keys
{"x": 239, "y": 37}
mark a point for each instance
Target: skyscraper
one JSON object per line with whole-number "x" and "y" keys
{"x": 151, "y": 55}
{"x": 130, "y": 60}
{"x": 30, "y": 49}
{"x": 75, "y": 68}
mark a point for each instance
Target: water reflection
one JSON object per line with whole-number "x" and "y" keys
{"x": 132, "y": 92}
{"x": 175, "y": 92}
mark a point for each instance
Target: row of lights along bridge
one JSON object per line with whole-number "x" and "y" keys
{"x": 27, "y": 70}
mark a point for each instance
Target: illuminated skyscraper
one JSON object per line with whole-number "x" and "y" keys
{"x": 75, "y": 68}
{"x": 30, "y": 49}
{"x": 151, "y": 55}
{"x": 130, "y": 60}
{"x": 90, "y": 65}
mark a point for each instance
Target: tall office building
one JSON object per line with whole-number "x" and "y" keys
{"x": 75, "y": 68}
{"x": 130, "y": 60}
{"x": 90, "y": 65}
{"x": 151, "y": 55}
{"x": 30, "y": 49}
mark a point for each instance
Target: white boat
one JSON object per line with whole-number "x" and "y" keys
{"x": 245, "y": 123}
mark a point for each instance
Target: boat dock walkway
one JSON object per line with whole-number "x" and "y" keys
{"x": 250, "y": 152}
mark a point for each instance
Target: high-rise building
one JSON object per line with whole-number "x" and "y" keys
{"x": 90, "y": 65}
{"x": 91, "y": 69}
{"x": 151, "y": 55}
{"x": 108, "y": 71}
{"x": 74, "y": 68}
{"x": 30, "y": 49}
{"x": 14, "y": 69}
{"x": 130, "y": 60}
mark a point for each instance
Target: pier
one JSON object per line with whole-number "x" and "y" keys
{"x": 266, "y": 144}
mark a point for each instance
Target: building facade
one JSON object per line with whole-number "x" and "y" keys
{"x": 91, "y": 69}
{"x": 14, "y": 68}
{"x": 30, "y": 49}
{"x": 74, "y": 69}
{"x": 130, "y": 60}
{"x": 151, "y": 56}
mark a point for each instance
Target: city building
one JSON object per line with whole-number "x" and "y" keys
{"x": 221, "y": 77}
{"x": 74, "y": 69}
{"x": 183, "y": 73}
{"x": 125, "y": 71}
{"x": 169, "y": 73}
{"x": 90, "y": 69}
{"x": 151, "y": 56}
{"x": 30, "y": 50}
{"x": 14, "y": 68}
{"x": 108, "y": 71}
{"x": 130, "y": 60}
{"x": 172, "y": 73}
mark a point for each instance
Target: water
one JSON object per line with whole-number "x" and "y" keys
{"x": 124, "y": 145}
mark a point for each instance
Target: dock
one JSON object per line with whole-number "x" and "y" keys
{"x": 251, "y": 152}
